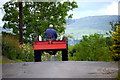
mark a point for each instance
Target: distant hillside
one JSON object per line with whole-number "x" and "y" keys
{"x": 70, "y": 21}
{"x": 90, "y": 25}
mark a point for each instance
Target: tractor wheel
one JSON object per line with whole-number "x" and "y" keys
{"x": 64, "y": 55}
{"x": 37, "y": 55}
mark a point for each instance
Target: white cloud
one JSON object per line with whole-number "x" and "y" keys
{"x": 111, "y": 9}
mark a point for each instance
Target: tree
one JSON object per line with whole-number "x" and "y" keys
{"x": 37, "y": 16}
{"x": 92, "y": 48}
{"x": 115, "y": 48}
{"x": 20, "y": 24}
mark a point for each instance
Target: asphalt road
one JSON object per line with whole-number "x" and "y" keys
{"x": 60, "y": 69}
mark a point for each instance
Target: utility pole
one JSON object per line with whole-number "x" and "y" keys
{"x": 20, "y": 23}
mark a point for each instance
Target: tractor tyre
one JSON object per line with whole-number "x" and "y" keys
{"x": 64, "y": 55}
{"x": 37, "y": 55}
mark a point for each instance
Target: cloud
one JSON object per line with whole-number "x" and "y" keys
{"x": 111, "y": 9}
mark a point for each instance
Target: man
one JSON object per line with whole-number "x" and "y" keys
{"x": 51, "y": 33}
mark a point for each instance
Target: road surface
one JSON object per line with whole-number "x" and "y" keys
{"x": 60, "y": 69}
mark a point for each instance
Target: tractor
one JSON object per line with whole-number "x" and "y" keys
{"x": 51, "y": 46}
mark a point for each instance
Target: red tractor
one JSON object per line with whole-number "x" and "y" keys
{"x": 51, "y": 47}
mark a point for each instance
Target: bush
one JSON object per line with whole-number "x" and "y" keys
{"x": 92, "y": 48}
{"x": 70, "y": 52}
{"x": 14, "y": 51}
{"x": 10, "y": 47}
{"x": 47, "y": 56}
{"x": 26, "y": 53}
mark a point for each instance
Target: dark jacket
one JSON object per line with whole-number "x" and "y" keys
{"x": 51, "y": 32}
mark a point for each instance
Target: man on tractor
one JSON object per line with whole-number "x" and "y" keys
{"x": 51, "y": 35}
{"x": 50, "y": 45}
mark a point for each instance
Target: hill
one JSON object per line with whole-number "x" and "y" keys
{"x": 90, "y": 25}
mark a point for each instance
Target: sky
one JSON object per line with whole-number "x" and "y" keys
{"x": 85, "y": 8}
{"x": 95, "y": 8}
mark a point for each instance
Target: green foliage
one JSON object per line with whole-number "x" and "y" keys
{"x": 14, "y": 51}
{"x": 115, "y": 48}
{"x": 70, "y": 52}
{"x": 109, "y": 41}
{"x": 36, "y": 17}
{"x": 58, "y": 55}
{"x": 10, "y": 47}
{"x": 47, "y": 57}
{"x": 92, "y": 48}
{"x": 27, "y": 53}
{"x": 70, "y": 48}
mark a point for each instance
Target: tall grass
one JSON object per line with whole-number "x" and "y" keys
{"x": 14, "y": 51}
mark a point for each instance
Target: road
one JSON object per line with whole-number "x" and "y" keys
{"x": 60, "y": 69}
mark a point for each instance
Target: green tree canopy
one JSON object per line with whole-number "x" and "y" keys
{"x": 36, "y": 17}
{"x": 115, "y": 48}
{"x": 92, "y": 48}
